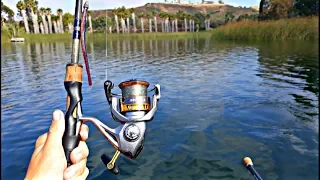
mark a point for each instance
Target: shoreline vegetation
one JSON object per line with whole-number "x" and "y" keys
{"x": 305, "y": 28}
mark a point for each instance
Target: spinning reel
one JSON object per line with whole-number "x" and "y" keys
{"x": 132, "y": 109}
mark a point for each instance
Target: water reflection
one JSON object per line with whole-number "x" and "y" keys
{"x": 281, "y": 68}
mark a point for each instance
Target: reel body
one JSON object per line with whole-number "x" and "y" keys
{"x": 132, "y": 109}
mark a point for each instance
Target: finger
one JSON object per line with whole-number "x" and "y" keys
{"x": 41, "y": 139}
{"x": 84, "y": 175}
{"x": 79, "y": 153}
{"x": 56, "y": 129}
{"x": 84, "y": 132}
{"x": 75, "y": 170}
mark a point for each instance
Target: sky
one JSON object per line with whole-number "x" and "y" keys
{"x": 68, "y": 5}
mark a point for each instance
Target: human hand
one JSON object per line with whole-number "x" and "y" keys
{"x": 48, "y": 160}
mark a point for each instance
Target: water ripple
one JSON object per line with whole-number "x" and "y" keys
{"x": 221, "y": 101}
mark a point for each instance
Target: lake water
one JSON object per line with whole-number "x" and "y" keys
{"x": 221, "y": 101}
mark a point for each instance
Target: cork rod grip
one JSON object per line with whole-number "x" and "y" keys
{"x": 73, "y": 73}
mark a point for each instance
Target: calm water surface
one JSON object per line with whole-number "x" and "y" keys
{"x": 221, "y": 101}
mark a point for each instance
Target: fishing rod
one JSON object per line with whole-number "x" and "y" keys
{"x": 249, "y": 165}
{"x": 132, "y": 108}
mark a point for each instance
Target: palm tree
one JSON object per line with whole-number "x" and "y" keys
{"x": 55, "y": 27}
{"x": 70, "y": 25}
{"x": 185, "y": 22}
{"x": 121, "y": 13}
{"x": 132, "y": 10}
{"x": 149, "y": 16}
{"x": 179, "y": 16}
{"x": 43, "y": 16}
{"x": 41, "y": 25}
{"x": 60, "y": 12}
{"x": 115, "y": 12}
{"x": 36, "y": 16}
{"x": 22, "y": 8}
{"x": 193, "y": 18}
{"x": 154, "y": 13}
{"x": 161, "y": 15}
{"x": 172, "y": 18}
{"x": 49, "y": 20}
{"x": 189, "y": 16}
{"x": 109, "y": 24}
{"x": 31, "y": 5}
{"x": 176, "y": 16}
{"x": 141, "y": 16}
{"x": 166, "y": 27}
{"x": 208, "y": 21}
{"x": 90, "y": 22}
{"x": 127, "y": 15}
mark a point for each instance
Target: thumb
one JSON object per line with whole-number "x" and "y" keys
{"x": 56, "y": 129}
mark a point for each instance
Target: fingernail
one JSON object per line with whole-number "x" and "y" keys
{"x": 70, "y": 173}
{"x": 56, "y": 115}
{"x": 84, "y": 135}
{"x": 61, "y": 115}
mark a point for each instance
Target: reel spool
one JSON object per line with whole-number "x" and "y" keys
{"x": 133, "y": 108}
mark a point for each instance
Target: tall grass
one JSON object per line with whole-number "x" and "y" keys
{"x": 31, "y": 38}
{"x": 305, "y": 28}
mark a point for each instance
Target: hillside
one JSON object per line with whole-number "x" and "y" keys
{"x": 188, "y": 8}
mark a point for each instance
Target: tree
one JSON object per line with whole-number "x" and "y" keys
{"x": 189, "y": 16}
{"x": 49, "y": 19}
{"x": 167, "y": 27}
{"x": 60, "y": 12}
{"x": 229, "y": 17}
{"x": 172, "y": 19}
{"x": 275, "y": 9}
{"x": 208, "y": 21}
{"x": 32, "y": 8}
{"x": 115, "y": 12}
{"x": 127, "y": 15}
{"x": 176, "y": 21}
{"x": 90, "y": 22}
{"x": 141, "y": 16}
{"x": 54, "y": 19}
{"x": 220, "y": 2}
{"x": 161, "y": 15}
{"x": 307, "y": 7}
{"x": 132, "y": 11}
{"x": 67, "y": 21}
{"x": 185, "y": 22}
{"x": 179, "y": 16}
{"x": 6, "y": 10}
{"x": 41, "y": 25}
{"x": 43, "y": 17}
{"x": 149, "y": 16}
{"x": 154, "y": 13}
{"x": 121, "y": 13}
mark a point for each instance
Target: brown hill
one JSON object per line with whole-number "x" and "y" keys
{"x": 188, "y": 8}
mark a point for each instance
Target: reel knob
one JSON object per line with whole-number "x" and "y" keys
{"x": 108, "y": 85}
{"x": 106, "y": 161}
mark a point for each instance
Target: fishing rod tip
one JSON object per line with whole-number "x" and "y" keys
{"x": 247, "y": 161}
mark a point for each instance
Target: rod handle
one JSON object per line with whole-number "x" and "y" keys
{"x": 73, "y": 85}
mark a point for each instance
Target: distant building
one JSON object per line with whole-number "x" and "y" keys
{"x": 207, "y": 2}
{"x": 176, "y": 1}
